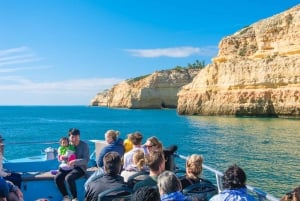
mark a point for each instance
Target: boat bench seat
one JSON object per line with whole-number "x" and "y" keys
{"x": 34, "y": 176}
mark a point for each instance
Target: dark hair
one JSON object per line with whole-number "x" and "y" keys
{"x": 136, "y": 138}
{"x": 292, "y": 196}
{"x": 63, "y": 139}
{"x": 74, "y": 131}
{"x": 234, "y": 178}
{"x": 146, "y": 193}
{"x": 112, "y": 163}
{"x": 154, "y": 160}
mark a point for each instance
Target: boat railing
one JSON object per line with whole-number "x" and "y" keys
{"x": 260, "y": 194}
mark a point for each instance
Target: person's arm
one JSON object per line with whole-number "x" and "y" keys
{"x": 15, "y": 189}
{"x": 82, "y": 154}
{"x": 101, "y": 156}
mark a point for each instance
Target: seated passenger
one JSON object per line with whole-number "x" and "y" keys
{"x": 146, "y": 193}
{"x": 136, "y": 139}
{"x": 292, "y": 196}
{"x": 234, "y": 184}
{"x": 114, "y": 144}
{"x": 137, "y": 166}
{"x": 193, "y": 168}
{"x": 156, "y": 163}
{"x": 110, "y": 179}
{"x": 169, "y": 187}
{"x": 128, "y": 143}
{"x": 153, "y": 144}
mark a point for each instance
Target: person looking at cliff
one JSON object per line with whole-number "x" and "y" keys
{"x": 114, "y": 143}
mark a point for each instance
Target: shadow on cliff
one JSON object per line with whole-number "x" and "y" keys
{"x": 266, "y": 110}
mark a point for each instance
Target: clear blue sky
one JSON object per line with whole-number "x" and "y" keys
{"x": 63, "y": 52}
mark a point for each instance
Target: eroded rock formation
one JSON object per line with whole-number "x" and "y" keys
{"x": 158, "y": 90}
{"x": 256, "y": 72}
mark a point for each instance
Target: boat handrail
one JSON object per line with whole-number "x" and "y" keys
{"x": 261, "y": 194}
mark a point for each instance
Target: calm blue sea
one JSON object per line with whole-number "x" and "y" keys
{"x": 267, "y": 148}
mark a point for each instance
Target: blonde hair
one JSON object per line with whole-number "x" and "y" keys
{"x": 194, "y": 166}
{"x": 139, "y": 159}
{"x": 156, "y": 143}
{"x": 112, "y": 134}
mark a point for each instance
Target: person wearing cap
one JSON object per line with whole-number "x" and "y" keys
{"x": 79, "y": 164}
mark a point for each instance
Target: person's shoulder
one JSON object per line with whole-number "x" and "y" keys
{"x": 83, "y": 143}
{"x": 215, "y": 198}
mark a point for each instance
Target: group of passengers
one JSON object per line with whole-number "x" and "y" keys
{"x": 120, "y": 161}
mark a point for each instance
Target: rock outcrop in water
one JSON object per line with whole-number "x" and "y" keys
{"x": 256, "y": 72}
{"x": 158, "y": 90}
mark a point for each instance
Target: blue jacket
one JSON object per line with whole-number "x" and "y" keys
{"x": 175, "y": 196}
{"x": 233, "y": 195}
{"x": 115, "y": 146}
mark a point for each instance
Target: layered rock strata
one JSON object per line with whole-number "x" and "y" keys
{"x": 256, "y": 72}
{"x": 158, "y": 90}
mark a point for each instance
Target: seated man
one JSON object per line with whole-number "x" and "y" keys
{"x": 110, "y": 179}
{"x": 156, "y": 163}
{"x": 234, "y": 186}
{"x": 169, "y": 187}
{"x": 136, "y": 139}
{"x": 68, "y": 178}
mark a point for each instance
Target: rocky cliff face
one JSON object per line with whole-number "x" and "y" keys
{"x": 158, "y": 90}
{"x": 256, "y": 72}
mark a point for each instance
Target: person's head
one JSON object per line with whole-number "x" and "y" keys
{"x": 292, "y": 196}
{"x": 156, "y": 162}
{"x": 194, "y": 166}
{"x": 111, "y": 136}
{"x": 153, "y": 144}
{"x": 168, "y": 182}
{"x": 234, "y": 178}
{"x": 139, "y": 159}
{"x": 146, "y": 193}
{"x": 128, "y": 143}
{"x": 74, "y": 136}
{"x": 64, "y": 141}
{"x": 112, "y": 163}
{"x": 136, "y": 138}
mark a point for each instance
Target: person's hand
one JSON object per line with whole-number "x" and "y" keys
{"x": 71, "y": 163}
{"x": 19, "y": 194}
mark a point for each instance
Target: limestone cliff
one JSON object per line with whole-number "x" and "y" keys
{"x": 158, "y": 90}
{"x": 256, "y": 72}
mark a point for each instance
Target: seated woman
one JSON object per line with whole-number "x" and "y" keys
{"x": 114, "y": 143}
{"x": 234, "y": 185}
{"x": 193, "y": 169}
{"x": 137, "y": 166}
{"x": 153, "y": 144}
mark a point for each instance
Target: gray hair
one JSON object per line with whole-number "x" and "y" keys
{"x": 168, "y": 182}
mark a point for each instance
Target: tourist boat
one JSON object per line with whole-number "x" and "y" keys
{"x": 38, "y": 178}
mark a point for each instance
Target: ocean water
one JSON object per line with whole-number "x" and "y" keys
{"x": 266, "y": 148}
